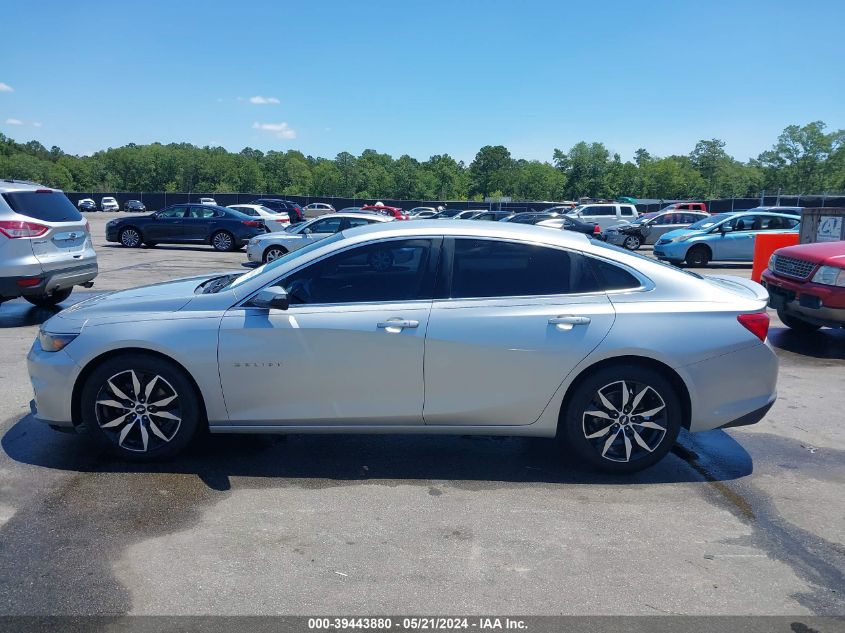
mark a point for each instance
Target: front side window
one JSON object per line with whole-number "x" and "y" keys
{"x": 599, "y": 211}
{"x": 351, "y": 223}
{"x": 171, "y": 213}
{"x": 493, "y": 268}
{"x": 391, "y": 270}
{"x": 201, "y": 213}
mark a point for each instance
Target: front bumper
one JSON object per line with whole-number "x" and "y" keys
{"x": 818, "y": 303}
{"x": 673, "y": 251}
{"x": 52, "y": 375}
{"x": 614, "y": 238}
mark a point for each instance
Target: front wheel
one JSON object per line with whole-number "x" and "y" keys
{"x": 621, "y": 419}
{"x": 273, "y": 253}
{"x": 698, "y": 256}
{"x": 50, "y": 300}
{"x": 130, "y": 237}
{"x": 223, "y": 241}
{"x": 797, "y": 323}
{"x": 140, "y": 407}
{"x": 632, "y": 242}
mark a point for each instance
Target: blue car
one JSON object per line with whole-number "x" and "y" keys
{"x": 722, "y": 237}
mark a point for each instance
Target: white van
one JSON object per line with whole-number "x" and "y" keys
{"x": 605, "y": 214}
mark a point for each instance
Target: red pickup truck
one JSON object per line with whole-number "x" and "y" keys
{"x": 806, "y": 285}
{"x": 686, "y": 206}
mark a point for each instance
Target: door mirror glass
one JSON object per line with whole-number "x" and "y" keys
{"x": 724, "y": 228}
{"x": 273, "y": 298}
{"x": 307, "y": 232}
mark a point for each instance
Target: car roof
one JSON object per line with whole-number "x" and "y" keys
{"x": 753, "y": 212}
{"x": 770, "y": 207}
{"x": 522, "y": 232}
{"x": 10, "y": 184}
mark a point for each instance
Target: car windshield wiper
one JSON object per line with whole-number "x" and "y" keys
{"x": 216, "y": 284}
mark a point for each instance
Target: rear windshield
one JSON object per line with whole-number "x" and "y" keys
{"x": 47, "y": 206}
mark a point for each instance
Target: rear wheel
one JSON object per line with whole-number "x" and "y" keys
{"x": 50, "y": 300}
{"x": 796, "y": 323}
{"x": 130, "y": 237}
{"x": 273, "y": 253}
{"x": 698, "y": 256}
{"x": 621, "y": 419}
{"x": 223, "y": 241}
{"x": 140, "y": 407}
{"x": 632, "y": 242}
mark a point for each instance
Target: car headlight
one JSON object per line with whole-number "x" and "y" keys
{"x": 54, "y": 342}
{"x": 683, "y": 238}
{"x": 830, "y": 276}
{"x": 772, "y": 261}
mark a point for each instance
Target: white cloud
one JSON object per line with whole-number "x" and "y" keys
{"x": 14, "y": 122}
{"x": 36, "y": 123}
{"x": 6, "y": 87}
{"x": 259, "y": 100}
{"x": 282, "y": 130}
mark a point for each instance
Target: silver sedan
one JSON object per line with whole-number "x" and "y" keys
{"x": 469, "y": 327}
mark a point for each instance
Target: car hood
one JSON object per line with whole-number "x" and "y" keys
{"x": 137, "y": 304}
{"x": 831, "y": 253}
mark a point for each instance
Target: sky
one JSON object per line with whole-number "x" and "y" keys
{"x": 420, "y": 77}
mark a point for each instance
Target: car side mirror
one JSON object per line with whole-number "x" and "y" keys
{"x": 725, "y": 229}
{"x": 307, "y": 231}
{"x": 273, "y": 298}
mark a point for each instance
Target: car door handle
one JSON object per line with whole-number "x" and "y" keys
{"x": 569, "y": 320}
{"x": 397, "y": 324}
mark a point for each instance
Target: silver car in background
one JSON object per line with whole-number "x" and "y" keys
{"x": 45, "y": 244}
{"x": 463, "y": 324}
{"x": 267, "y": 248}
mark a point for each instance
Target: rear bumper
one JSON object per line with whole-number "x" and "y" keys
{"x": 749, "y": 418}
{"x": 727, "y": 389}
{"x": 47, "y": 281}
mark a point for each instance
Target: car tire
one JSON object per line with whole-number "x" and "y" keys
{"x": 51, "y": 300}
{"x": 601, "y": 427}
{"x": 116, "y": 409}
{"x": 698, "y": 256}
{"x": 223, "y": 241}
{"x": 130, "y": 237}
{"x": 632, "y": 242}
{"x": 273, "y": 253}
{"x": 797, "y": 323}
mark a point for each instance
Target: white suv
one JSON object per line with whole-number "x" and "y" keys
{"x": 605, "y": 214}
{"x": 45, "y": 244}
{"x": 109, "y": 204}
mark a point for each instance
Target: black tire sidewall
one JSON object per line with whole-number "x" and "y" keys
{"x": 570, "y": 432}
{"x": 51, "y": 300}
{"x": 702, "y": 250}
{"x": 176, "y": 377}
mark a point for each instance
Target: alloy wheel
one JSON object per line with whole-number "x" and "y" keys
{"x": 222, "y": 241}
{"x": 130, "y": 238}
{"x": 625, "y": 421}
{"x": 632, "y": 242}
{"x": 138, "y": 411}
{"x": 273, "y": 254}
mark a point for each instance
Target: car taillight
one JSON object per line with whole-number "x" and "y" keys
{"x": 29, "y": 283}
{"x": 757, "y": 323}
{"x": 252, "y": 223}
{"x": 596, "y": 229}
{"x": 17, "y": 228}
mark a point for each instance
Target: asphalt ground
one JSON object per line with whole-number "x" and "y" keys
{"x": 748, "y": 521}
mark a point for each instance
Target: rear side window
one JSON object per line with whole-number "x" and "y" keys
{"x": 492, "y": 268}
{"x": 49, "y": 206}
{"x": 599, "y": 211}
{"x": 610, "y": 277}
{"x": 627, "y": 210}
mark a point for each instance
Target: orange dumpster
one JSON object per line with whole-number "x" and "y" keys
{"x": 764, "y": 245}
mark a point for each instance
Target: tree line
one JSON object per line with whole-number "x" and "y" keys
{"x": 804, "y": 159}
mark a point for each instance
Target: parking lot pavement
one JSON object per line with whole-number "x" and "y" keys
{"x": 746, "y": 521}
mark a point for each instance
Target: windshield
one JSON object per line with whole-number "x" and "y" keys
{"x": 643, "y": 218}
{"x": 281, "y": 261}
{"x": 706, "y": 223}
